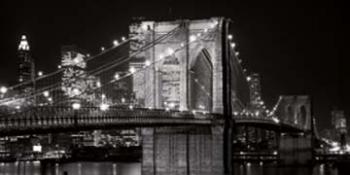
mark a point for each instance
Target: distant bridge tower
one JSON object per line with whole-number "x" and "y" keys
{"x": 295, "y": 110}
{"x": 26, "y": 71}
{"x": 339, "y": 123}
{"x": 296, "y": 148}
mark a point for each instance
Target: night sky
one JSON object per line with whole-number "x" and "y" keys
{"x": 297, "y": 46}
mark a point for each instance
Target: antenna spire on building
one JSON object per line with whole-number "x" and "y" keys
{"x": 23, "y": 45}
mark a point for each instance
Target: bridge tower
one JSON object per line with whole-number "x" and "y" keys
{"x": 190, "y": 79}
{"x": 26, "y": 71}
{"x": 296, "y": 147}
{"x": 339, "y": 123}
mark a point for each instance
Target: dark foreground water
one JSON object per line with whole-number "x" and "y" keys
{"x": 110, "y": 168}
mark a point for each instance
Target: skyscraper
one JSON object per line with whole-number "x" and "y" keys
{"x": 26, "y": 69}
{"x": 339, "y": 123}
{"x": 255, "y": 89}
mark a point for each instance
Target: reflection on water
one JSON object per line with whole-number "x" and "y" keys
{"x": 75, "y": 168}
{"x": 272, "y": 169}
{"x": 110, "y": 168}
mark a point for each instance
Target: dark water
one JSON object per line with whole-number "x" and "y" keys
{"x": 260, "y": 169}
{"x": 110, "y": 168}
{"x": 75, "y": 168}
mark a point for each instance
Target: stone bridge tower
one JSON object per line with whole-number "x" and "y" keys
{"x": 296, "y": 110}
{"x": 191, "y": 77}
{"x": 296, "y": 147}
{"x": 185, "y": 72}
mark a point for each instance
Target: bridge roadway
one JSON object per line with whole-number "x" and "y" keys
{"x": 38, "y": 120}
{"x": 44, "y": 119}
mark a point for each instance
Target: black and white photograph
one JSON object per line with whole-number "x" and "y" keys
{"x": 174, "y": 87}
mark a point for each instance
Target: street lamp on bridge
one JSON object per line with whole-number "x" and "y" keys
{"x": 3, "y": 90}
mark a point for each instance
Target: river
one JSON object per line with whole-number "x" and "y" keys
{"x": 111, "y": 168}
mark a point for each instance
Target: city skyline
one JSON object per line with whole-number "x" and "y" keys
{"x": 296, "y": 45}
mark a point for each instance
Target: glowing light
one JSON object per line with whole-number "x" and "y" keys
{"x": 334, "y": 144}
{"x": 233, "y": 45}
{"x": 132, "y": 69}
{"x": 131, "y": 107}
{"x": 76, "y": 106}
{"x": 59, "y": 66}
{"x": 102, "y": 48}
{"x": 335, "y": 149}
{"x": 144, "y": 27}
{"x": 170, "y": 51}
{"x": 276, "y": 120}
{"x": 40, "y": 73}
{"x": 103, "y": 96}
{"x": 230, "y": 37}
{"x": 104, "y": 106}
{"x": 49, "y": 99}
{"x": 275, "y": 152}
{"x": 147, "y": 62}
{"x": 123, "y": 100}
{"x": 123, "y": 38}
{"x": 46, "y": 93}
{"x": 182, "y": 44}
{"x": 3, "y": 89}
{"x": 167, "y": 109}
{"x": 98, "y": 84}
{"x": 76, "y": 60}
{"x": 249, "y": 78}
{"x": 161, "y": 56}
{"x": 116, "y": 76}
{"x": 37, "y": 148}
{"x": 257, "y": 113}
{"x": 235, "y": 113}
{"x": 237, "y": 53}
{"x": 18, "y": 107}
{"x": 115, "y": 43}
{"x": 199, "y": 34}
{"x": 76, "y": 91}
{"x": 201, "y": 107}
{"x": 193, "y": 38}
{"x": 205, "y": 30}
{"x": 172, "y": 105}
{"x": 212, "y": 25}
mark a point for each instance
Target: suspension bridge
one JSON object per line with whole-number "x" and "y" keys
{"x": 182, "y": 83}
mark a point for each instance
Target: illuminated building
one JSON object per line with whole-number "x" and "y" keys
{"x": 339, "y": 123}
{"x": 255, "y": 88}
{"x": 26, "y": 64}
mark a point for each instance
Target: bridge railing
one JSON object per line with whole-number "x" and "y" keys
{"x": 63, "y": 117}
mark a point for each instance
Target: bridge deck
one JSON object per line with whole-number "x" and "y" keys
{"x": 44, "y": 119}
{"x": 47, "y": 119}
